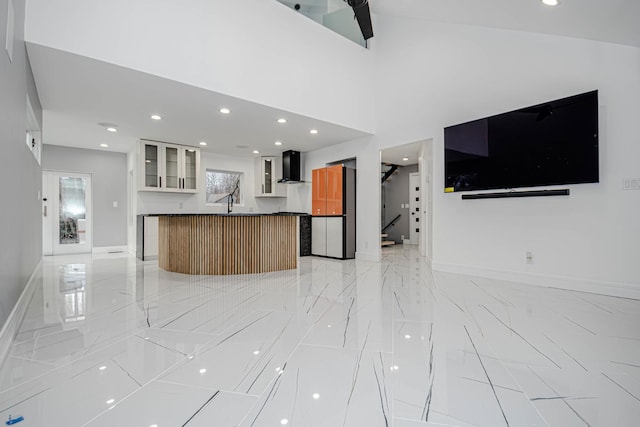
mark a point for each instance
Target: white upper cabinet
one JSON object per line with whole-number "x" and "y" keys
{"x": 268, "y": 170}
{"x": 168, "y": 167}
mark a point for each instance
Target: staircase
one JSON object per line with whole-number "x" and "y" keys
{"x": 385, "y": 242}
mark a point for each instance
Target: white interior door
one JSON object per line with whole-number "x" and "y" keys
{"x": 66, "y": 210}
{"x": 414, "y": 208}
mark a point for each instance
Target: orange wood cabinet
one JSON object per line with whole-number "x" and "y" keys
{"x": 319, "y": 191}
{"x": 334, "y": 190}
{"x": 327, "y": 194}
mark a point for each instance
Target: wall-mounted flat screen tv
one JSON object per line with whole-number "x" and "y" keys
{"x": 554, "y": 143}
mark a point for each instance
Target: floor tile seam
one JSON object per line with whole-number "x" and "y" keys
{"x": 57, "y": 342}
{"x": 145, "y": 384}
{"x": 69, "y": 363}
{"x": 500, "y": 361}
{"x": 428, "y": 423}
{"x": 93, "y": 319}
{"x": 200, "y": 387}
{"x": 182, "y": 331}
{"x": 345, "y": 350}
{"x": 66, "y": 365}
{"x": 26, "y": 359}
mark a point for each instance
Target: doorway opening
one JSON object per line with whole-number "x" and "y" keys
{"x": 66, "y": 213}
{"x": 405, "y": 197}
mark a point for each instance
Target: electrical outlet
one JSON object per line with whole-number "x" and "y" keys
{"x": 529, "y": 257}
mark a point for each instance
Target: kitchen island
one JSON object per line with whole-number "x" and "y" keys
{"x": 227, "y": 243}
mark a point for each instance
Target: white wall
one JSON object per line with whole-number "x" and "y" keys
{"x": 258, "y": 50}
{"x": 367, "y": 156}
{"x": 109, "y": 184}
{"x": 431, "y": 75}
{"x": 20, "y": 213}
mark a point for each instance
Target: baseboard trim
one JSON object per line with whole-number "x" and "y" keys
{"x": 12, "y": 324}
{"x": 110, "y": 249}
{"x": 617, "y": 289}
{"x": 368, "y": 256}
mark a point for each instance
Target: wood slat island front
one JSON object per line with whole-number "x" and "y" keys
{"x": 227, "y": 244}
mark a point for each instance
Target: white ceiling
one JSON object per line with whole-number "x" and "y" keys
{"x": 78, "y": 93}
{"x": 394, "y": 155}
{"x": 616, "y": 21}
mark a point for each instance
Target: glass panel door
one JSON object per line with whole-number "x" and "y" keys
{"x": 66, "y": 213}
{"x": 72, "y": 210}
{"x": 190, "y": 169}
{"x": 171, "y": 171}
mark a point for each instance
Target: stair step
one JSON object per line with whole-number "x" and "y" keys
{"x": 387, "y": 243}
{"x": 383, "y": 235}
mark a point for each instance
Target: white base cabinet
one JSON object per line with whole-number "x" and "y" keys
{"x": 327, "y": 236}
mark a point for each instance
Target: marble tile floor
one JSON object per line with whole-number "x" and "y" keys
{"x": 109, "y": 340}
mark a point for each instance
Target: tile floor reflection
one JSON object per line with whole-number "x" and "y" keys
{"x": 109, "y": 340}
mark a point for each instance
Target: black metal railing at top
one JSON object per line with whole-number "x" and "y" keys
{"x": 388, "y": 173}
{"x": 392, "y": 223}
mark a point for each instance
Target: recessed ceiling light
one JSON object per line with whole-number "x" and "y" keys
{"x": 313, "y": 131}
{"x": 102, "y": 368}
{"x": 225, "y": 111}
{"x": 156, "y": 117}
{"x": 256, "y": 152}
{"x": 203, "y": 371}
{"x": 316, "y": 396}
{"x": 550, "y": 2}
{"x": 284, "y": 421}
{"x": 111, "y": 129}
{"x": 282, "y": 120}
{"x": 104, "y": 145}
{"x": 278, "y": 143}
{"x": 405, "y": 159}
{"x": 110, "y": 401}
{"x": 203, "y": 143}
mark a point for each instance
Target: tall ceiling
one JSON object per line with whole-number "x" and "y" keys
{"x": 615, "y": 21}
{"x": 80, "y": 95}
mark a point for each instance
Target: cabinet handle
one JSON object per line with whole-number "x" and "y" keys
{"x": 45, "y": 210}
{"x": 160, "y": 185}
{"x": 262, "y": 188}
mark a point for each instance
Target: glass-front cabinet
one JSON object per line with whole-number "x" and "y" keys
{"x": 191, "y": 168}
{"x": 268, "y": 170}
{"x": 168, "y": 167}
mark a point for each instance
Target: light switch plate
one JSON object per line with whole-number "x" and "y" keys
{"x": 631, "y": 184}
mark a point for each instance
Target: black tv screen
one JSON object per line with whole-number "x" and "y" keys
{"x": 554, "y": 143}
